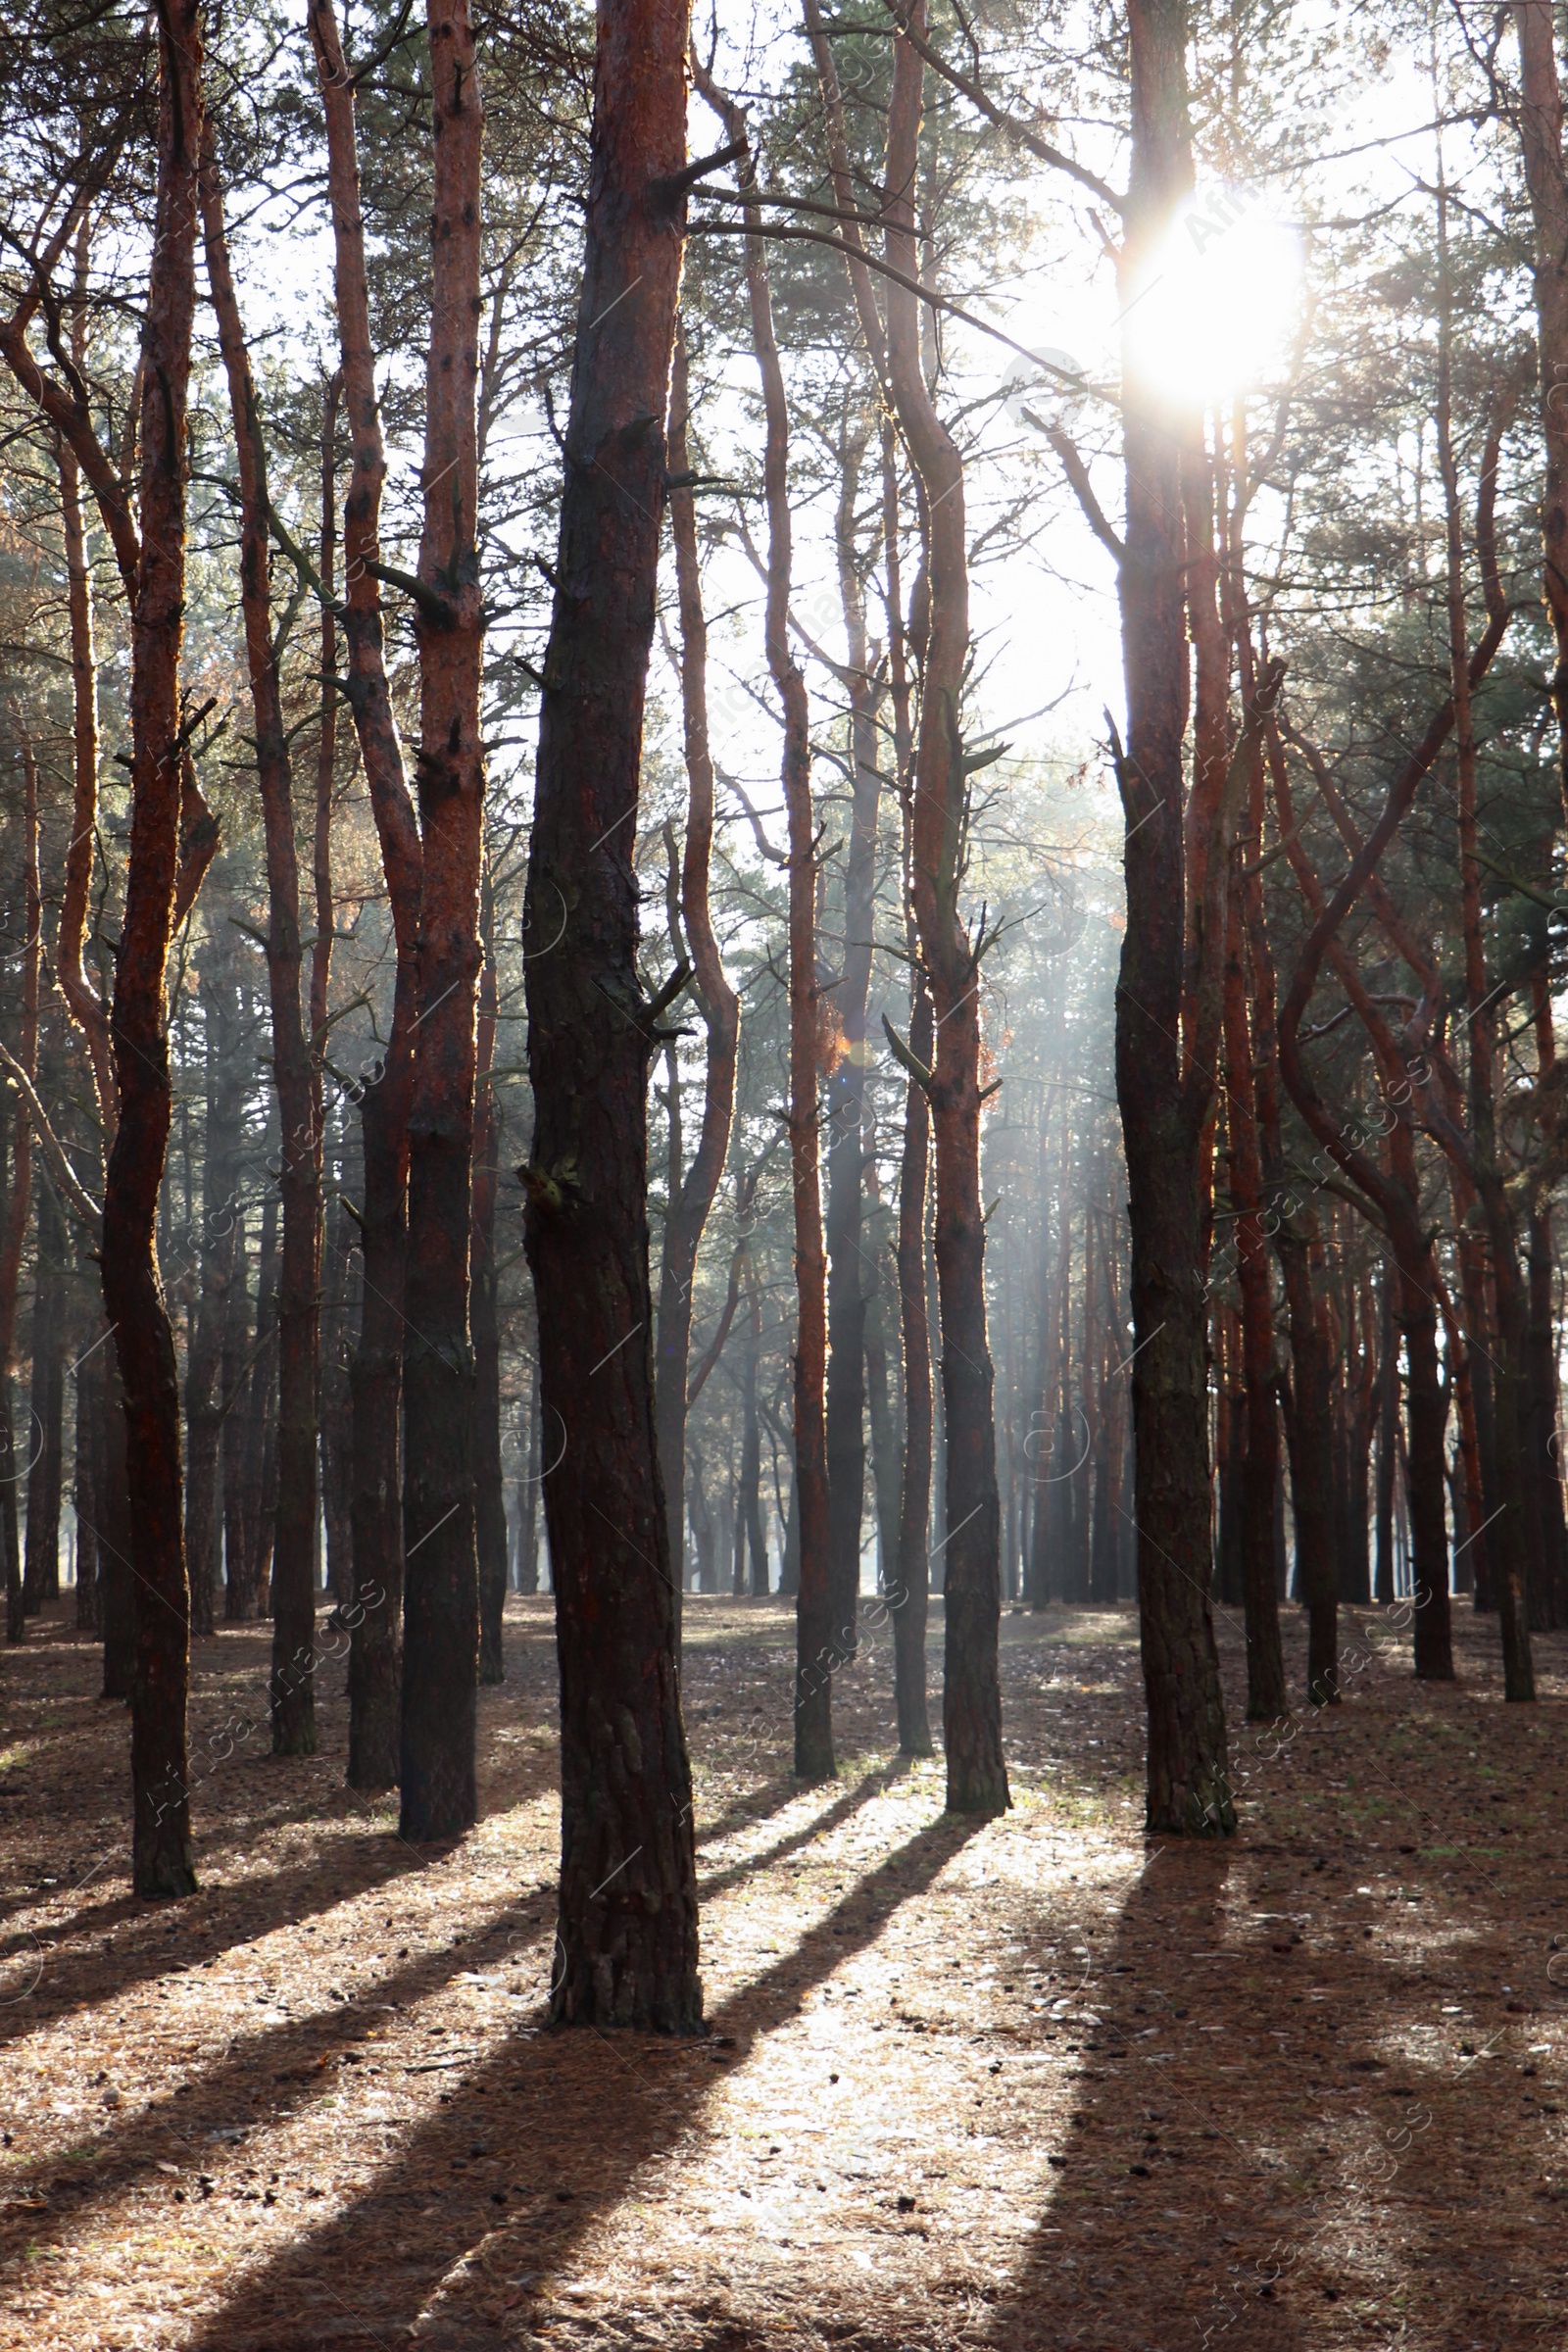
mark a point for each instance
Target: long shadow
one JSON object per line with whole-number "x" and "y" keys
{"x": 336, "y": 1871}
{"x": 851, "y": 1801}
{"x": 291, "y": 2060}
{"x": 1254, "y": 2163}
{"x": 1129, "y": 2252}
{"x": 511, "y": 1779}
{"x": 580, "y": 2112}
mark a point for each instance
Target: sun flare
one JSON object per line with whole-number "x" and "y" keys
{"x": 1218, "y": 302}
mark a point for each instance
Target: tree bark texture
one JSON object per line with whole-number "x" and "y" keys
{"x": 971, "y": 1706}
{"x": 1164, "y": 1107}
{"x": 441, "y": 1595}
{"x": 627, "y": 1927}
{"x": 375, "y": 1512}
{"x": 162, "y": 1861}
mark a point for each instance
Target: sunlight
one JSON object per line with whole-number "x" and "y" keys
{"x": 1219, "y": 300}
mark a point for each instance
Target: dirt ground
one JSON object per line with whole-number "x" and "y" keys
{"x": 1025, "y": 2085}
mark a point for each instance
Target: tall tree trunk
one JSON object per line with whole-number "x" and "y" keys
{"x": 1383, "y": 1582}
{"x": 751, "y": 1492}
{"x": 886, "y": 1467}
{"x": 251, "y": 1426}
{"x": 529, "y": 1501}
{"x": 913, "y": 1576}
{"x": 1266, "y": 1695}
{"x": 376, "y": 1510}
{"x": 40, "y": 1583}
{"x": 337, "y": 1408}
{"x": 819, "y": 1640}
{"x": 292, "y": 1686}
{"x": 1165, "y": 1107}
{"x": 87, "y": 1478}
{"x": 375, "y": 1389}
{"x": 441, "y": 1595}
{"x": 489, "y": 1494}
{"x": 843, "y": 1091}
{"x": 692, "y": 1191}
{"x": 14, "y": 1233}
{"x": 971, "y": 1706}
{"x": 221, "y": 1222}
{"x": 113, "y": 1589}
{"x": 1539, "y": 125}
{"x": 628, "y": 1951}
{"x": 1506, "y": 1535}
{"x": 162, "y": 1861}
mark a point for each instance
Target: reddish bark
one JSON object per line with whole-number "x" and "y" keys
{"x": 627, "y": 1934}
{"x": 977, "y": 1777}
{"x": 292, "y": 1688}
{"x": 441, "y": 1595}
{"x": 162, "y": 1862}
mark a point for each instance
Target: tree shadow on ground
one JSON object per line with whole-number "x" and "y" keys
{"x": 561, "y": 2124}
{"x": 1276, "y": 2141}
{"x": 281, "y": 2069}
{"x": 213, "y": 1919}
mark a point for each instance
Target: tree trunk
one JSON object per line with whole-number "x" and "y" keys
{"x": 977, "y": 1777}
{"x": 692, "y": 1191}
{"x": 529, "y": 1501}
{"x": 234, "y": 1376}
{"x": 292, "y": 1685}
{"x": 627, "y": 1949}
{"x": 220, "y": 1220}
{"x": 14, "y": 1233}
{"x": 375, "y": 1512}
{"x": 750, "y": 1489}
{"x": 441, "y": 1595}
{"x": 40, "y": 1583}
{"x": 1383, "y": 1579}
{"x": 489, "y": 1498}
{"x": 822, "y": 1641}
{"x": 375, "y": 1388}
{"x": 337, "y": 1406}
{"x": 249, "y": 1432}
{"x": 162, "y": 1861}
{"x": 1164, "y": 1110}
{"x": 1539, "y": 125}
{"x": 844, "y": 1092}
{"x": 88, "y": 1477}
{"x": 1267, "y": 1697}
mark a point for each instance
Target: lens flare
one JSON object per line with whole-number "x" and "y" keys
{"x": 1219, "y": 297}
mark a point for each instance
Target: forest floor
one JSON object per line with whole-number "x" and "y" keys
{"x": 1027, "y": 2083}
